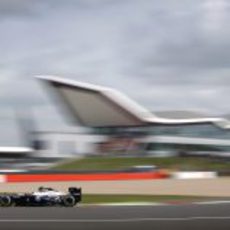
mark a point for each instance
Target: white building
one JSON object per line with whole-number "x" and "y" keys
{"x": 71, "y": 142}
{"x": 112, "y": 115}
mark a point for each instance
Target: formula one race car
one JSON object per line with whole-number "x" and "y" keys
{"x": 43, "y": 197}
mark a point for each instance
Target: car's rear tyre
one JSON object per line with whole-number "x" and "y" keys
{"x": 68, "y": 201}
{"x": 6, "y": 201}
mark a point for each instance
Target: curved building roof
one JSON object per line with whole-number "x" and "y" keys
{"x": 96, "y": 106}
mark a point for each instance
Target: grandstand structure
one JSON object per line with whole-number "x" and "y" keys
{"x": 128, "y": 127}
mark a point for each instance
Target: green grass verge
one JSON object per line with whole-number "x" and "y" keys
{"x": 116, "y": 163}
{"x": 94, "y": 199}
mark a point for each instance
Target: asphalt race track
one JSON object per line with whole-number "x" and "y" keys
{"x": 194, "y": 216}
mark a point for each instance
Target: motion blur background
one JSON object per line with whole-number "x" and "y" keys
{"x": 169, "y": 56}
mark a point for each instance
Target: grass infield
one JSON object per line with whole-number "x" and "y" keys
{"x": 119, "y": 163}
{"x": 100, "y": 198}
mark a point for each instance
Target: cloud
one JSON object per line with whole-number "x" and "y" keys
{"x": 15, "y": 8}
{"x": 215, "y": 15}
{"x": 34, "y": 8}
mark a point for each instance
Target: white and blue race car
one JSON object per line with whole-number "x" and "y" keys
{"x": 43, "y": 197}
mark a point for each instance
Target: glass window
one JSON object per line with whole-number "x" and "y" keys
{"x": 193, "y": 130}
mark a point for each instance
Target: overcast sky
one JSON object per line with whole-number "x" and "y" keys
{"x": 165, "y": 54}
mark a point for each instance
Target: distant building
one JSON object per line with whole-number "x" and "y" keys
{"x": 126, "y": 127}
{"x": 71, "y": 142}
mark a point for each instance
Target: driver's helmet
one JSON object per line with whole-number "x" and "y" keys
{"x": 41, "y": 189}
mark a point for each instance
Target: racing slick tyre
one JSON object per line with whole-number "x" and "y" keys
{"x": 68, "y": 201}
{"x": 6, "y": 201}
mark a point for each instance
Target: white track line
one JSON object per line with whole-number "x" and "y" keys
{"x": 125, "y": 204}
{"x": 115, "y": 220}
{"x": 156, "y": 204}
{"x": 214, "y": 202}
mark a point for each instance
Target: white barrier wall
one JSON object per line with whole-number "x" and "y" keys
{"x": 2, "y": 178}
{"x": 194, "y": 175}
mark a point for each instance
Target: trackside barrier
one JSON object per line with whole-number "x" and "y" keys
{"x": 82, "y": 177}
{"x": 3, "y": 178}
{"x": 194, "y": 175}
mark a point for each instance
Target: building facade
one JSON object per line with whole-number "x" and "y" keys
{"x": 121, "y": 126}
